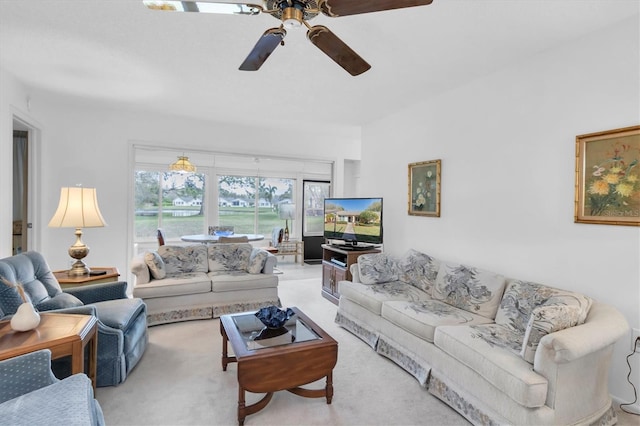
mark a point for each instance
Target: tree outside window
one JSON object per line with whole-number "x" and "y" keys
{"x": 172, "y": 201}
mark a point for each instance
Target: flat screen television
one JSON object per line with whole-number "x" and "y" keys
{"x": 353, "y": 220}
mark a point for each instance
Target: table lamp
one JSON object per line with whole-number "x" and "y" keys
{"x": 287, "y": 211}
{"x": 78, "y": 208}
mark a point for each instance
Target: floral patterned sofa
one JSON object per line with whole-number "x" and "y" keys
{"x": 498, "y": 350}
{"x": 180, "y": 283}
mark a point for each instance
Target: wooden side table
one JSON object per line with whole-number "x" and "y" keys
{"x": 290, "y": 248}
{"x": 63, "y": 334}
{"x": 66, "y": 281}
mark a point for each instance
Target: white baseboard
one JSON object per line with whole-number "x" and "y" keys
{"x": 633, "y": 408}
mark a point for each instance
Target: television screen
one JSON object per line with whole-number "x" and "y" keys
{"x": 353, "y": 220}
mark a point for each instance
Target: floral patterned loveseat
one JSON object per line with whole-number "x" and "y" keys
{"x": 180, "y": 283}
{"x": 498, "y": 350}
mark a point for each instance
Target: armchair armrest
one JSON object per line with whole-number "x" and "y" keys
{"x": 99, "y": 292}
{"x": 25, "y": 373}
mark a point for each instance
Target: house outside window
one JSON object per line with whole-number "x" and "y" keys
{"x": 251, "y": 204}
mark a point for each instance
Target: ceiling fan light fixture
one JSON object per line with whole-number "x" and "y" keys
{"x": 292, "y": 17}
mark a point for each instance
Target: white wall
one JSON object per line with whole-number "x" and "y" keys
{"x": 83, "y": 143}
{"x": 507, "y": 144}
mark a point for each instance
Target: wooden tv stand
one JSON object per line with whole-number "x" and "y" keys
{"x": 333, "y": 272}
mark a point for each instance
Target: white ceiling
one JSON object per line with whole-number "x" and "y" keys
{"x": 118, "y": 51}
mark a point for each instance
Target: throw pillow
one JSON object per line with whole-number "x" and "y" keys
{"x": 184, "y": 259}
{"x": 419, "y": 269}
{"x": 545, "y": 320}
{"x": 257, "y": 260}
{"x": 229, "y": 257}
{"x": 522, "y": 297}
{"x": 472, "y": 289}
{"x": 376, "y": 268}
{"x": 155, "y": 264}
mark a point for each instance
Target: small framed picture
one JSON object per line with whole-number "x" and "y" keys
{"x": 607, "y": 186}
{"x": 424, "y": 188}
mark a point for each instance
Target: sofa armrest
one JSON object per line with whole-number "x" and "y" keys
{"x": 140, "y": 270}
{"x": 100, "y": 292}
{"x": 25, "y": 373}
{"x": 603, "y": 327}
{"x": 269, "y": 264}
{"x": 355, "y": 273}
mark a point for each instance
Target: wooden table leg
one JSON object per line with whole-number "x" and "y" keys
{"x": 77, "y": 357}
{"x": 225, "y": 353}
{"x": 92, "y": 368}
{"x": 241, "y": 406}
{"x": 329, "y": 387}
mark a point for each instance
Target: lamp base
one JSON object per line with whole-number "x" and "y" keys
{"x": 78, "y": 251}
{"x": 286, "y": 231}
{"x": 79, "y": 269}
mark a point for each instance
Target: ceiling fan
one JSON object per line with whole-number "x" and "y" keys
{"x": 294, "y": 14}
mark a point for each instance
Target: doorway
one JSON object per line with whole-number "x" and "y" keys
{"x": 21, "y": 152}
{"x": 314, "y": 193}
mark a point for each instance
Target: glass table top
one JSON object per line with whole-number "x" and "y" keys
{"x": 256, "y": 336}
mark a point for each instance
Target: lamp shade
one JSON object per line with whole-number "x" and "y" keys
{"x": 287, "y": 211}
{"x": 78, "y": 208}
{"x": 182, "y": 165}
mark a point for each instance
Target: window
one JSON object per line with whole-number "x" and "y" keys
{"x": 251, "y": 204}
{"x": 314, "y": 193}
{"x": 172, "y": 201}
{"x": 228, "y": 189}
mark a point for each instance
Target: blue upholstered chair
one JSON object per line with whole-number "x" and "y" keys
{"x": 31, "y": 395}
{"x": 122, "y": 321}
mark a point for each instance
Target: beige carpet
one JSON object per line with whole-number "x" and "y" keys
{"x": 180, "y": 381}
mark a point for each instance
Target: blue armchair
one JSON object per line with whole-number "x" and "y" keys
{"x": 31, "y": 395}
{"x": 122, "y": 321}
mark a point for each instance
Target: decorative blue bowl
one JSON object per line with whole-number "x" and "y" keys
{"x": 223, "y": 233}
{"x": 273, "y": 317}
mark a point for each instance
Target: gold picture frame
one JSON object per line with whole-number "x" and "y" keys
{"x": 424, "y": 188}
{"x": 607, "y": 183}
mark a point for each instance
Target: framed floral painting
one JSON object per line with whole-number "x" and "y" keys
{"x": 424, "y": 188}
{"x": 607, "y": 187}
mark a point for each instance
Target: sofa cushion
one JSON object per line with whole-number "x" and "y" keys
{"x": 375, "y": 268}
{"x": 469, "y": 288}
{"x": 183, "y": 259}
{"x": 545, "y": 320}
{"x": 257, "y": 259}
{"x": 522, "y": 297}
{"x": 372, "y": 297}
{"x": 419, "y": 270}
{"x": 155, "y": 264}
{"x": 237, "y": 280}
{"x": 188, "y": 283}
{"x": 421, "y": 318}
{"x": 229, "y": 257}
{"x": 492, "y": 351}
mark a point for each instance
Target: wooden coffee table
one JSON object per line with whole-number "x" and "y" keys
{"x": 302, "y": 356}
{"x": 63, "y": 334}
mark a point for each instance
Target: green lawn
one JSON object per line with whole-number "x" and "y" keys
{"x": 241, "y": 218}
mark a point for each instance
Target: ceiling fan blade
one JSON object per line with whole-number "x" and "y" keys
{"x": 335, "y": 8}
{"x": 263, "y": 48}
{"x": 337, "y": 50}
{"x": 204, "y": 6}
